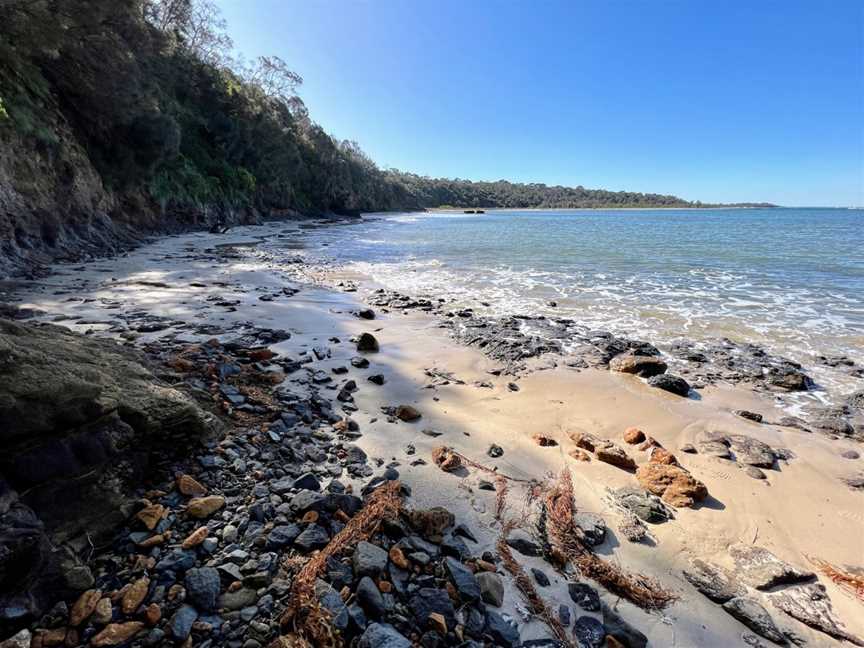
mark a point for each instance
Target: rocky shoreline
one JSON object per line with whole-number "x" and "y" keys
{"x": 257, "y": 494}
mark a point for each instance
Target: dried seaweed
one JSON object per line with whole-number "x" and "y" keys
{"x": 537, "y": 605}
{"x": 851, "y": 583}
{"x": 304, "y": 615}
{"x": 444, "y": 457}
{"x": 569, "y": 539}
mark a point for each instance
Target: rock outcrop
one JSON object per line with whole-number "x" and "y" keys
{"x": 81, "y": 421}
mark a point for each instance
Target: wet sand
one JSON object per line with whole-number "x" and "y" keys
{"x": 802, "y": 509}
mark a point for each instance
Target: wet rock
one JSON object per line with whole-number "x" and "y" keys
{"x": 715, "y": 582}
{"x": 641, "y": 365}
{"x": 382, "y": 635}
{"x": 491, "y": 588}
{"x": 751, "y": 613}
{"x": 584, "y": 596}
{"x": 589, "y": 632}
{"x": 763, "y": 570}
{"x": 367, "y": 343}
{"x": 672, "y": 484}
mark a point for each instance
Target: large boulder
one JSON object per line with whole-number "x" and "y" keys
{"x": 640, "y": 365}
{"x": 80, "y": 420}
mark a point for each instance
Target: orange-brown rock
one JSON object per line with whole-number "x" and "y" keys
{"x": 190, "y": 487}
{"x": 195, "y": 538}
{"x": 202, "y": 507}
{"x": 174, "y": 591}
{"x": 135, "y": 595}
{"x": 155, "y": 540}
{"x": 51, "y": 638}
{"x": 385, "y": 586}
{"x": 634, "y": 435}
{"x": 438, "y": 623}
{"x": 152, "y": 614}
{"x": 672, "y": 484}
{"x": 398, "y": 558}
{"x": 482, "y": 565}
{"x": 431, "y": 522}
{"x": 650, "y": 442}
{"x": 149, "y": 516}
{"x": 84, "y": 607}
{"x": 663, "y": 456}
{"x": 544, "y": 441}
{"x": 446, "y": 459}
{"x": 585, "y": 441}
{"x": 311, "y": 516}
{"x": 103, "y": 613}
{"x": 115, "y": 634}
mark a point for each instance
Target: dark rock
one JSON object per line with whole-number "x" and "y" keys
{"x": 503, "y": 632}
{"x": 202, "y": 587}
{"x": 370, "y": 599}
{"x": 427, "y": 600}
{"x": 313, "y": 537}
{"x": 495, "y": 451}
{"x": 523, "y": 544}
{"x": 367, "y": 342}
{"x": 307, "y": 481}
{"x": 464, "y": 580}
{"x": 366, "y": 313}
{"x": 751, "y": 416}
{"x": 584, "y": 596}
{"x": 593, "y": 526}
{"x": 382, "y": 635}
{"x": 282, "y": 536}
{"x": 359, "y": 363}
{"x": 369, "y": 560}
{"x": 376, "y": 379}
{"x": 329, "y": 598}
{"x": 618, "y": 628}
{"x": 407, "y": 413}
{"x": 181, "y": 622}
{"x": 670, "y": 383}
{"x": 539, "y": 577}
{"x": 589, "y": 632}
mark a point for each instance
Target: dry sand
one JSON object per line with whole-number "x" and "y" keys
{"x": 801, "y": 509}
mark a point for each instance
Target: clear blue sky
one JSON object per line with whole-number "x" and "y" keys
{"x": 713, "y": 100}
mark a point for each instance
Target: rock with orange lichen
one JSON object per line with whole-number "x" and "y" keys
{"x": 633, "y": 435}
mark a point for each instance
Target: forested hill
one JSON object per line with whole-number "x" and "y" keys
{"x": 131, "y": 116}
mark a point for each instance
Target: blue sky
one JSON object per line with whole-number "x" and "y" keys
{"x": 709, "y": 100}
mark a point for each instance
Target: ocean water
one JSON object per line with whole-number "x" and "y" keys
{"x": 791, "y": 279}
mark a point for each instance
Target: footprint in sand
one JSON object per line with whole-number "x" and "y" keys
{"x": 851, "y": 515}
{"x": 716, "y": 474}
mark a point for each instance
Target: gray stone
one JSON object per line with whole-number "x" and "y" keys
{"x": 202, "y": 587}
{"x": 643, "y": 504}
{"x": 464, "y": 580}
{"x": 715, "y": 582}
{"x": 593, "y": 526}
{"x": 503, "y": 632}
{"x": 181, "y": 622}
{"x": 751, "y": 613}
{"x": 313, "y": 537}
{"x": 243, "y": 597}
{"x": 369, "y": 560}
{"x": 370, "y": 599}
{"x": 763, "y": 570}
{"x": 491, "y": 588}
{"x": 427, "y": 600}
{"x": 750, "y": 451}
{"x": 811, "y": 606}
{"x": 329, "y": 598}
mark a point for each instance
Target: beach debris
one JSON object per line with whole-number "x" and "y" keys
{"x": 568, "y": 539}
{"x": 852, "y": 582}
{"x": 672, "y": 484}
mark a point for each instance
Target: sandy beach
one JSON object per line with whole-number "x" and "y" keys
{"x": 801, "y": 508}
